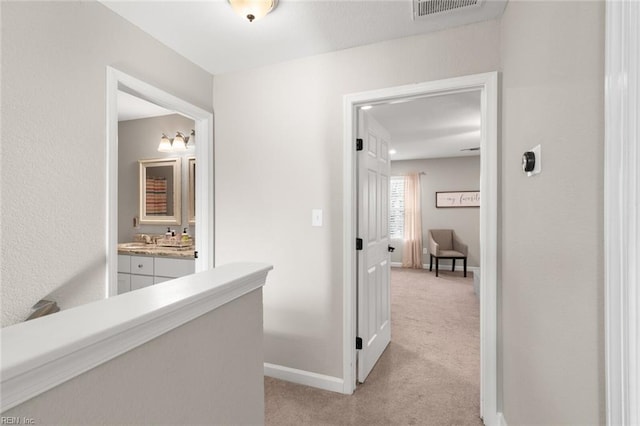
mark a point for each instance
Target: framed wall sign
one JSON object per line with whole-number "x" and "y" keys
{"x": 451, "y": 199}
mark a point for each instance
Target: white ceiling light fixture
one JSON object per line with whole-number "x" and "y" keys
{"x": 253, "y": 9}
{"x": 392, "y": 151}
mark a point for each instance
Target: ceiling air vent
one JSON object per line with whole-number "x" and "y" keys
{"x": 424, "y": 8}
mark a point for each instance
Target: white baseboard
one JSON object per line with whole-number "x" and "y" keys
{"x": 303, "y": 377}
{"x": 443, "y": 267}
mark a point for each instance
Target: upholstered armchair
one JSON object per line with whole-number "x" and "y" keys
{"x": 445, "y": 244}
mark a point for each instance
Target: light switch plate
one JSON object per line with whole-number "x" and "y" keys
{"x": 316, "y": 217}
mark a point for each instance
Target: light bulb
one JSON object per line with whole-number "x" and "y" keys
{"x": 178, "y": 143}
{"x": 165, "y": 144}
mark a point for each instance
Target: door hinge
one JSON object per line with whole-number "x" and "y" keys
{"x": 358, "y": 243}
{"x": 358, "y": 342}
{"x": 195, "y": 254}
{"x": 359, "y": 145}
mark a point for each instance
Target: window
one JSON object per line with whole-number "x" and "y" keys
{"x": 396, "y": 207}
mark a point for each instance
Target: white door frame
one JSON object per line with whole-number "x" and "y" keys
{"x": 487, "y": 83}
{"x": 622, "y": 212}
{"x": 204, "y": 233}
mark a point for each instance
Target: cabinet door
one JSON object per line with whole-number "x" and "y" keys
{"x": 124, "y": 282}
{"x": 174, "y": 268}
{"x": 141, "y": 265}
{"x": 124, "y": 263}
{"x": 157, "y": 280}
{"x": 140, "y": 281}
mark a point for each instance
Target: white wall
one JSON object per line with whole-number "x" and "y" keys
{"x": 552, "y": 224}
{"x": 444, "y": 174}
{"x": 163, "y": 382}
{"x": 279, "y": 155}
{"x": 138, "y": 140}
{"x": 53, "y": 165}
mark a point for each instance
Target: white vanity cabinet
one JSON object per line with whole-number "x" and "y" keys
{"x": 135, "y": 272}
{"x": 124, "y": 273}
{"x": 124, "y": 283}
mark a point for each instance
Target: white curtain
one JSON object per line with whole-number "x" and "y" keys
{"x": 412, "y": 250}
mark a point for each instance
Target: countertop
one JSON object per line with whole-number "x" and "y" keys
{"x": 153, "y": 250}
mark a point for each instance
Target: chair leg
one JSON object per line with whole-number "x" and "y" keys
{"x": 453, "y": 265}
{"x": 465, "y": 267}
{"x": 430, "y": 262}
{"x": 437, "y": 264}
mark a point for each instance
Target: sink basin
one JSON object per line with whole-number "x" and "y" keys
{"x": 132, "y": 245}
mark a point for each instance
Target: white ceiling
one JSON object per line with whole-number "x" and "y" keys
{"x": 211, "y": 35}
{"x": 432, "y": 127}
{"x": 132, "y": 108}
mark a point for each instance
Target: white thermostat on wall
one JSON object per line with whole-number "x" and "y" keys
{"x": 532, "y": 161}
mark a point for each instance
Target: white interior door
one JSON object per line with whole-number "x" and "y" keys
{"x": 374, "y": 303}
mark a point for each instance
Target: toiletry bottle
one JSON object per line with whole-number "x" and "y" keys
{"x": 168, "y": 233}
{"x": 185, "y": 235}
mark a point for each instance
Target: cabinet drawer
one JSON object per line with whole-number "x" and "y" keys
{"x": 140, "y": 281}
{"x": 124, "y": 283}
{"x": 141, "y": 265}
{"x": 174, "y": 268}
{"x": 124, "y": 263}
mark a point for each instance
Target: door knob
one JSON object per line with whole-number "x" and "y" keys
{"x": 390, "y": 249}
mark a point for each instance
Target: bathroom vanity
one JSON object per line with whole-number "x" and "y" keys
{"x": 142, "y": 267}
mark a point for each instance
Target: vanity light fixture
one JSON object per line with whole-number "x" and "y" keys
{"x": 253, "y": 9}
{"x": 179, "y": 143}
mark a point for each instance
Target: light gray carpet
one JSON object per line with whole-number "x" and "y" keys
{"x": 429, "y": 374}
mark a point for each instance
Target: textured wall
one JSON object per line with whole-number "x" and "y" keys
{"x": 138, "y": 140}
{"x": 53, "y": 165}
{"x": 163, "y": 382}
{"x": 445, "y": 174}
{"x": 279, "y": 154}
{"x": 552, "y": 224}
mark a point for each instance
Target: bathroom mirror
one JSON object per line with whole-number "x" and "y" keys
{"x": 192, "y": 190}
{"x": 160, "y": 199}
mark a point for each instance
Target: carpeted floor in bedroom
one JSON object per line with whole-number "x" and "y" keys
{"x": 428, "y": 375}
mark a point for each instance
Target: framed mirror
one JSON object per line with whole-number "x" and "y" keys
{"x": 192, "y": 190}
{"x": 160, "y": 199}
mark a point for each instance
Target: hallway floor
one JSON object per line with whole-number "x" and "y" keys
{"x": 428, "y": 375}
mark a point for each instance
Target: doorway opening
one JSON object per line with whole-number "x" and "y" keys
{"x": 118, "y": 81}
{"x": 487, "y": 86}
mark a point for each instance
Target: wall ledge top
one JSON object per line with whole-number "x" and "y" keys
{"x": 43, "y": 353}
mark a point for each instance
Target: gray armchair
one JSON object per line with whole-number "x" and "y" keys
{"x": 444, "y": 244}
